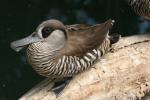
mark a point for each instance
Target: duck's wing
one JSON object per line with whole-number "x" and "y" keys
{"x": 83, "y": 38}
{"x": 77, "y": 27}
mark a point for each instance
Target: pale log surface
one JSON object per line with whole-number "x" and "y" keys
{"x": 123, "y": 74}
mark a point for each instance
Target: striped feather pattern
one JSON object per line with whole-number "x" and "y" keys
{"x": 43, "y": 61}
{"x": 141, "y": 7}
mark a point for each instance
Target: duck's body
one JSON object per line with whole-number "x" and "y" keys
{"x": 59, "y": 51}
{"x": 141, "y": 7}
{"x": 75, "y": 55}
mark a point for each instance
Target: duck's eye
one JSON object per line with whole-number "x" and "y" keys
{"x": 46, "y": 31}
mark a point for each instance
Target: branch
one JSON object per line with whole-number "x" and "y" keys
{"x": 123, "y": 74}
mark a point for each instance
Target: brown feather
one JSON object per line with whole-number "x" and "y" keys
{"x": 83, "y": 38}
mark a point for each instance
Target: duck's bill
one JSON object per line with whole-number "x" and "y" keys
{"x": 20, "y": 44}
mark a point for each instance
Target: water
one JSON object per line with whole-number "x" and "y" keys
{"x": 19, "y": 18}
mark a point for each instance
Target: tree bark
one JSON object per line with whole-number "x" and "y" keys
{"x": 123, "y": 74}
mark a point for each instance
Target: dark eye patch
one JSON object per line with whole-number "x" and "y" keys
{"x": 46, "y": 31}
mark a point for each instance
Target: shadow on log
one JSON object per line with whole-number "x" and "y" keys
{"x": 123, "y": 74}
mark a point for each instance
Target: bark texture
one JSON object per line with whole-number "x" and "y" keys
{"x": 123, "y": 74}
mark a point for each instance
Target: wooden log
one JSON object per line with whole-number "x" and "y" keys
{"x": 123, "y": 74}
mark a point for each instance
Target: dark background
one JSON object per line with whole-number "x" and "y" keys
{"x": 19, "y": 18}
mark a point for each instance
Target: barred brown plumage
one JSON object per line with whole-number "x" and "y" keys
{"x": 141, "y": 7}
{"x": 65, "y": 66}
{"x": 65, "y": 50}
